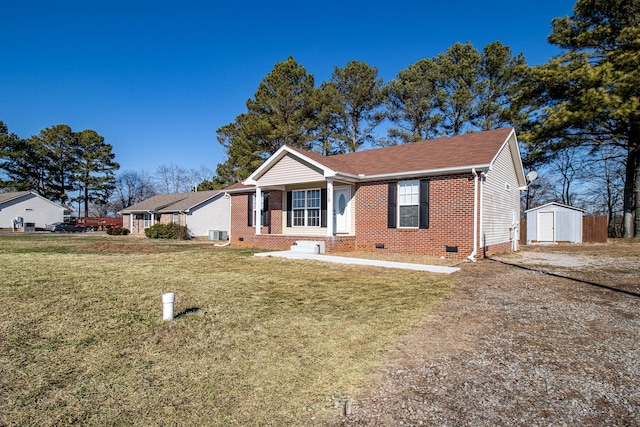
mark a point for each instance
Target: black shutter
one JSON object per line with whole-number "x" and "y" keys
{"x": 423, "y": 215}
{"x": 323, "y": 207}
{"x": 250, "y": 209}
{"x": 289, "y": 208}
{"x": 265, "y": 209}
{"x": 391, "y": 205}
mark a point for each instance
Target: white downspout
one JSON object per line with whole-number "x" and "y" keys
{"x": 229, "y": 233}
{"x": 483, "y": 243}
{"x": 472, "y": 256}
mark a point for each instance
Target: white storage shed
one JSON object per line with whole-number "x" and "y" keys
{"x": 554, "y": 222}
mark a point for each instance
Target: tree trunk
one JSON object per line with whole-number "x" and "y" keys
{"x": 631, "y": 203}
{"x": 636, "y": 189}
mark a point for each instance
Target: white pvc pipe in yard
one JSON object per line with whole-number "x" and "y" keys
{"x": 167, "y": 305}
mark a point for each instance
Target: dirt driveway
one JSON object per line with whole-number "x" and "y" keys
{"x": 519, "y": 346}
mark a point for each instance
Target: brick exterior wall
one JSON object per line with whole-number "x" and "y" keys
{"x": 450, "y": 223}
{"x": 450, "y": 219}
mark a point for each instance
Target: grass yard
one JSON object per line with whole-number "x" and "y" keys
{"x": 256, "y": 341}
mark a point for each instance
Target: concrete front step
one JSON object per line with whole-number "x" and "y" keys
{"x": 308, "y": 247}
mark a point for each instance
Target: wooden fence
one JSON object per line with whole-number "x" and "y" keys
{"x": 595, "y": 229}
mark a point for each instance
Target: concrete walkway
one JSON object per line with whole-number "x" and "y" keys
{"x": 361, "y": 261}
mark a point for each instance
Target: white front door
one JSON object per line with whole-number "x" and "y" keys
{"x": 546, "y": 226}
{"x": 341, "y": 197}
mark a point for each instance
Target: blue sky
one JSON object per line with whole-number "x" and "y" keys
{"x": 158, "y": 78}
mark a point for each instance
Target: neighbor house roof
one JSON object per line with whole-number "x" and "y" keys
{"x": 444, "y": 155}
{"x": 7, "y": 197}
{"x": 166, "y": 203}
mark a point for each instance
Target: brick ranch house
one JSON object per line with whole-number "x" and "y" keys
{"x": 200, "y": 212}
{"x": 455, "y": 197}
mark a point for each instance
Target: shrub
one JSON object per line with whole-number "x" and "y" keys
{"x": 167, "y": 231}
{"x": 117, "y": 231}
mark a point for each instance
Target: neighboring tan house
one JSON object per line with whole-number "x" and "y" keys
{"x": 457, "y": 196}
{"x": 202, "y": 212}
{"x": 29, "y": 207}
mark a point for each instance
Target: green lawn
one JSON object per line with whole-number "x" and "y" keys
{"x": 257, "y": 341}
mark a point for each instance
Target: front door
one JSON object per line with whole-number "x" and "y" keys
{"x": 341, "y": 196}
{"x": 546, "y": 226}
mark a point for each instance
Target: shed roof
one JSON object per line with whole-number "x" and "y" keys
{"x": 547, "y": 205}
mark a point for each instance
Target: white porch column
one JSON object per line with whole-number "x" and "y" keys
{"x": 257, "y": 209}
{"x": 329, "y": 207}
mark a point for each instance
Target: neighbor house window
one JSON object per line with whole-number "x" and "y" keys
{"x": 147, "y": 220}
{"x": 306, "y": 208}
{"x": 176, "y": 218}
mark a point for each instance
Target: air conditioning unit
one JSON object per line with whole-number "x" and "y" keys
{"x": 217, "y": 235}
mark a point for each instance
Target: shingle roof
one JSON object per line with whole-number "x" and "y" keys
{"x": 238, "y": 187}
{"x": 172, "y": 202}
{"x": 13, "y": 195}
{"x": 460, "y": 151}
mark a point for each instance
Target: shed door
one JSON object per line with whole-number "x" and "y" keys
{"x": 546, "y": 226}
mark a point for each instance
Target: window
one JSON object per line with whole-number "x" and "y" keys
{"x": 252, "y": 210}
{"x": 408, "y": 203}
{"x": 305, "y": 208}
{"x": 147, "y": 220}
{"x": 176, "y": 218}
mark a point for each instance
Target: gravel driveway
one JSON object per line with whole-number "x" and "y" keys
{"x": 516, "y": 346}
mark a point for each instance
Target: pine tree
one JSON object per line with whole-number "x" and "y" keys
{"x": 591, "y": 91}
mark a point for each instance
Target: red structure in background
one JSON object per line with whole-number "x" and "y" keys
{"x": 99, "y": 223}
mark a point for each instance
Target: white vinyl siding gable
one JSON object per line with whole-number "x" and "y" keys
{"x": 500, "y": 199}
{"x": 212, "y": 215}
{"x": 290, "y": 170}
{"x": 32, "y": 209}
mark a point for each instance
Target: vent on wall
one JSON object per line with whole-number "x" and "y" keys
{"x": 379, "y": 245}
{"x": 451, "y": 249}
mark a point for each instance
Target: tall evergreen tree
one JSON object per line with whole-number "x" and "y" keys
{"x": 411, "y": 103}
{"x": 281, "y": 112}
{"x": 460, "y": 90}
{"x": 358, "y": 95}
{"x": 458, "y": 87}
{"x": 592, "y": 90}
{"x": 60, "y": 146}
{"x": 501, "y": 75}
{"x": 95, "y": 170}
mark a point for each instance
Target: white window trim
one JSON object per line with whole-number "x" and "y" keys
{"x": 398, "y": 216}
{"x": 306, "y": 208}
{"x": 147, "y": 222}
